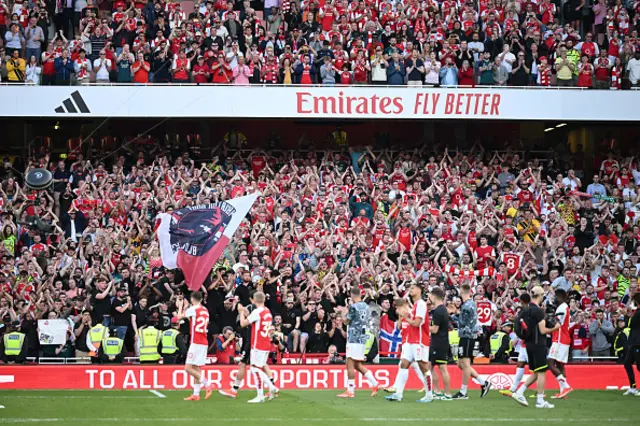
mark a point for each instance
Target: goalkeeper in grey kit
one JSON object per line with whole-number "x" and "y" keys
{"x": 468, "y": 330}
{"x": 357, "y": 319}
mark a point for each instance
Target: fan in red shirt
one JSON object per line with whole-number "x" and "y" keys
{"x": 198, "y": 317}
{"x": 262, "y": 330}
{"x": 484, "y": 253}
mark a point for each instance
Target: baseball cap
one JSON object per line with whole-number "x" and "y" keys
{"x": 174, "y": 320}
{"x": 537, "y": 291}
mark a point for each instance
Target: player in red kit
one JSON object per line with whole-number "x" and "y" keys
{"x": 198, "y": 317}
{"x": 561, "y": 338}
{"x": 416, "y": 348}
{"x": 261, "y": 321}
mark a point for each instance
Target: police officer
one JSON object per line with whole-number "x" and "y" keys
{"x": 111, "y": 349}
{"x": 173, "y": 346}
{"x": 500, "y": 343}
{"x": 13, "y": 347}
{"x": 94, "y": 339}
{"x": 148, "y": 340}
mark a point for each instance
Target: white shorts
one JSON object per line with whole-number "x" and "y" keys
{"x": 258, "y": 358}
{"x": 522, "y": 355}
{"x": 415, "y": 352}
{"x": 197, "y": 354}
{"x": 355, "y": 351}
{"x": 559, "y": 352}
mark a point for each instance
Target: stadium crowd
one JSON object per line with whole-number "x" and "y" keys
{"x": 85, "y": 250}
{"x": 326, "y": 42}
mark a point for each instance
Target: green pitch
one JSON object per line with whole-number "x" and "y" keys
{"x": 297, "y": 408}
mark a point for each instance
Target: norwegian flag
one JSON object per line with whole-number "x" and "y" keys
{"x": 390, "y": 337}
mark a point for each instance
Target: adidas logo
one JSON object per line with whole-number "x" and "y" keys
{"x": 79, "y": 107}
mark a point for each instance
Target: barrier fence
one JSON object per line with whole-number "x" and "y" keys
{"x": 287, "y": 377}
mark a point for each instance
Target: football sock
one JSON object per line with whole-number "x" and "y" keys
{"x": 429, "y": 380}
{"x": 421, "y": 375}
{"x": 351, "y": 386}
{"x": 562, "y": 381}
{"x": 463, "y": 389}
{"x": 372, "y": 380}
{"x": 196, "y": 389}
{"x": 236, "y": 384}
{"x": 401, "y": 380}
{"x": 205, "y": 382}
{"x": 518, "y": 379}
{"x": 540, "y": 398}
{"x": 258, "y": 382}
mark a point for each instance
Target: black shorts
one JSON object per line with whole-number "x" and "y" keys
{"x": 466, "y": 348}
{"x": 537, "y": 357}
{"x": 246, "y": 353}
{"x": 632, "y": 356}
{"x": 438, "y": 353}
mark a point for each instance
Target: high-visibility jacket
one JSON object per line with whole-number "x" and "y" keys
{"x": 495, "y": 342}
{"x": 368, "y": 344}
{"x": 13, "y": 343}
{"x": 454, "y": 342}
{"x": 169, "y": 346}
{"x": 619, "y": 346}
{"x": 112, "y": 347}
{"x": 148, "y": 339}
{"x": 96, "y": 335}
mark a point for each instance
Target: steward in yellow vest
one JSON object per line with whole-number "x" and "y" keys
{"x": 149, "y": 338}
{"x": 95, "y": 336}
{"x": 173, "y": 346}
{"x": 454, "y": 342}
{"x": 111, "y": 349}
{"x": 620, "y": 339}
{"x": 13, "y": 347}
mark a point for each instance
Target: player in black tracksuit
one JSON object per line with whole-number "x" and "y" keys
{"x": 633, "y": 349}
{"x": 245, "y": 334}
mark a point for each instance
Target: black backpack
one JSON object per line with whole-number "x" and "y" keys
{"x": 523, "y": 326}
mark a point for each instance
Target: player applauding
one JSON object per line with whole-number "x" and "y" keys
{"x": 357, "y": 318}
{"x": 198, "y": 317}
{"x": 416, "y": 348}
{"x": 260, "y": 320}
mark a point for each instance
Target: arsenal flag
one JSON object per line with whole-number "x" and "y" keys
{"x": 193, "y": 238}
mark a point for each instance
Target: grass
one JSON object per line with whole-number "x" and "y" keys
{"x": 296, "y": 408}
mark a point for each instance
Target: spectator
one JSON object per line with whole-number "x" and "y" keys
{"x": 500, "y": 73}
{"x": 327, "y": 72}
{"x": 564, "y": 69}
{"x": 520, "y": 72}
{"x": 241, "y": 72}
{"x": 102, "y": 66}
{"x": 16, "y": 68}
{"x": 415, "y": 69}
{"x": 602, "y": 68}
{"x": 449, "y": 73}
{"x": 396, "y": 71}
{"x": 633, "y": 66}
{"x": 600, "y": 330}
{"x": 14, "y": 40}
{"x": 64, "y": 69}
{"x": 485, "y": 69}
{"x": 140, "y": 69}
{"x": 432, "y": 70}
{"x": 585, "y": 72}
{"x": 82, "y": 68}
{"x": 124, "y": 61}
{"x": 33, "y": 71}
{"x": 379, "y": 68}
{"x": 180, "y": 69}
{"x": 34, "y": 37}
{"x": 465, "y": 75}
{"x": 305, "y": 72}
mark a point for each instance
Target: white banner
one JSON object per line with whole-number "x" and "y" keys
{"x": 318, "y": 102}
{"x": 53, "y": 332}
